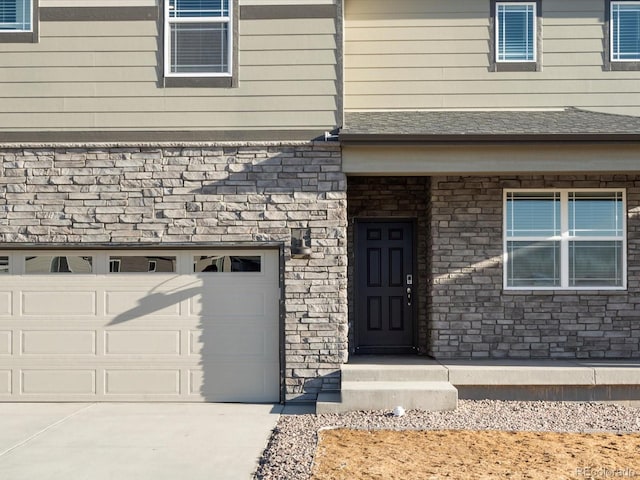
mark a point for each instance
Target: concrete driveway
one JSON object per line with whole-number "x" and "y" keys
{"x": 141, "y": 441}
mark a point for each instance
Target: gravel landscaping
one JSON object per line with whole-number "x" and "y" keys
{"x": 289, "y": 453}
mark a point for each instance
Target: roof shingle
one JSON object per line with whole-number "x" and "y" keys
{"x": 572, "y": 122}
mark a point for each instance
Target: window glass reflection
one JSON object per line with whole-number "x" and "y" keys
{"x": 142, "y": 264}
{"x": 58, "y": 264}
{"x": 4, "y": 265}
{"x": 227, "y": 263}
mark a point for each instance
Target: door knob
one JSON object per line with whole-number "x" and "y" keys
{"x": 409, "y": 296}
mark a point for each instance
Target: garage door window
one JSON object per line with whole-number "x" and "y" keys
{"x": 58, "y": 264}
{"x": 142, "y": 264}
{"x": 4, "y": 265}
{"x": 227, "y": 263}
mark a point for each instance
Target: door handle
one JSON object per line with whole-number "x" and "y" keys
{"x": 409, "y": 296}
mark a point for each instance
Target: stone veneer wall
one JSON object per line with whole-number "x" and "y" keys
{"x": 473, "y": 317}
{"x": 394, "y": 197}
{"x": 212, "y": 194}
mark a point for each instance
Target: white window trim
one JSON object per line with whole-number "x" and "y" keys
{"x": 564, "y": 238}
{"x": 30, "y": 29}
{"x": 167, "y": 42}
{"x": 612, "y": 40}
{"x": 534, "y": 27}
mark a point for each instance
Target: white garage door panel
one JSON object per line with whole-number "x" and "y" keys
{"x": 5, "y": 343}
{"x": 5, "y": 303}
{"x": 250, "y": 301}
{"x": 145, "y": 382}
{"x": 220, "y": 384}
{"x": 102, "y": 336}
{"x": 59, "y": 303}
{"x": 5, "y": 382}
{"x": 58, "y": 343}
{"x": 234, "y": 341}
{"x": 144, "y": 342}
{"x": 58, "y": 382}
{"x": 156, "y": 304}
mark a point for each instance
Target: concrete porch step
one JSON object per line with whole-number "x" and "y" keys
{"x": 385, "y": 395}
{"x": 395, "y": 372}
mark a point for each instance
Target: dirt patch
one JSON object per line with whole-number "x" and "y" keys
{"x": 430, "y": 455}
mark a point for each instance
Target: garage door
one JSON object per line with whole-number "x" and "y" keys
{"x": 139, "y": 326}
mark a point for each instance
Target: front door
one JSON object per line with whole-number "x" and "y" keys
{"x": 385, "y": 287}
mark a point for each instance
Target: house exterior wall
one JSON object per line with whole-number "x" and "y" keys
{"x": 103, "y": 72}
{"x": 212, "y": 195}
{"x": 472, "y": 316}
{"x": 428, "y": 54}
{"x": 392, "y": 198}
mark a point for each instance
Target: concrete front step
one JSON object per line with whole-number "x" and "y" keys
{"x": 385, "y": 395}
{"x": 554, "y": 380}
{"x": 419, "y": 372}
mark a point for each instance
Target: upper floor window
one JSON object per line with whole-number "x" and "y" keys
{"x": 198, "y": 38}
{"x": 625, "y": 31}
{"x": 565, "y": 239}
{"x": 515, "y": 32}
{"x": 15, "y": 15}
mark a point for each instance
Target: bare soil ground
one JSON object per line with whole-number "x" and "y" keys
{"x": 433, "y": 455}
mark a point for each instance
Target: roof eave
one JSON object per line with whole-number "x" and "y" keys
{"x": 420, "y": 139}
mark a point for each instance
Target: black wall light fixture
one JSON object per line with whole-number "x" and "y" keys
{"x": 300, "y": 243}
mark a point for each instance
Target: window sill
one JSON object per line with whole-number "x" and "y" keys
{"x": 18, "y": 37}
{"x": 200, "y": 82}
{"x": 516, "y": 67}
{"x": 624, "y": 66}
{"x": 565, "y": 291}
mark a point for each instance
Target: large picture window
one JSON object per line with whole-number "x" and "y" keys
{"x": 571, "y": 239}
{"x": 625, "y": 31}
{"x": 198, "y": 38}
{"x": 15, "y": 15}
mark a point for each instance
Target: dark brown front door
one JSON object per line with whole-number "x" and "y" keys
{"x": 385, "y": 287}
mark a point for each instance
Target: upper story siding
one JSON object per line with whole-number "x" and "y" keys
{"x": 106, "y": 75}
{"x": 430, "y": 54}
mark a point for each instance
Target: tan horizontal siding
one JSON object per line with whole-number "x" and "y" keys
{"x": 140, "y": 121}
{"x": 106, "y": 76}
{"x": 286, "y": 42}
{"x": 247, "y": 89}
{"x": 165, "y": 104}
{"x": 413, "y": 54}
{"x": 477, "y": 74}
{"x": 98, "y": 29}
{"x": 517, "y": 100}
{"x": 419, "y": 32}
{"x": 294, "y": 26}
{"x": 88, "y": 44}
{"x": 506, "y": 87}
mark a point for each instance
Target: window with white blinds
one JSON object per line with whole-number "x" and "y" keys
{"x": 15, "y": 15}
{"x": 625, "y": 31}
{"x": 198, "y": 38}
{"x": 572, "y": 239}
{"x": 515, "y": 32}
